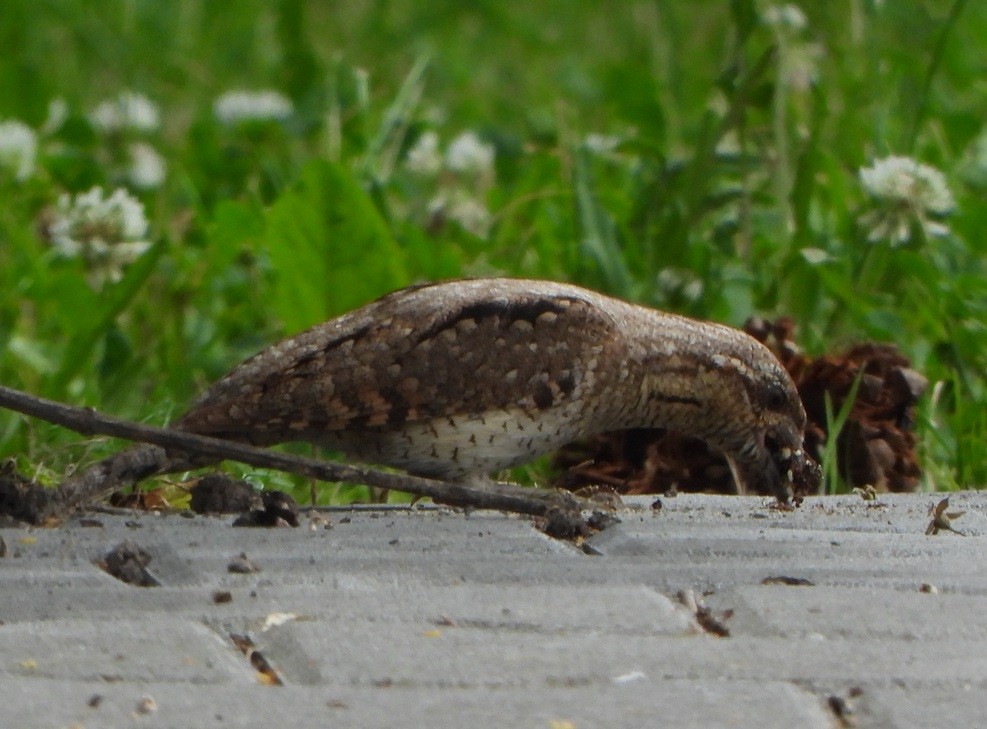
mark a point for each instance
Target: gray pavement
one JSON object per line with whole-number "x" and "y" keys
{"x": 433, "y": 618}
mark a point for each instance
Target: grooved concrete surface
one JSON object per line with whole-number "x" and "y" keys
{"x": 432, "y": 618}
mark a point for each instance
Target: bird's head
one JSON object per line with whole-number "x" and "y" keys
{"x": 733, "y": 393}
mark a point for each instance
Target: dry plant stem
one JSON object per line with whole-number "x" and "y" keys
{"x": 97, "y": 481}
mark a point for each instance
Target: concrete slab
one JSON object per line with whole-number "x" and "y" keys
{"x": 430, "y": 617}
{"x": 638, "y": 703}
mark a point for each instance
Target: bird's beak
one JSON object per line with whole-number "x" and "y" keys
{"x": 797, "y": 472}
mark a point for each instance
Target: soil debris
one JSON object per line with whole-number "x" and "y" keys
{"x": 242, "y": 565}
{"x": 266, "y": 675}
{"x": 128, "y": 563}
{"x": 569, "y": 524}
{"x": 704, "y": 617}
{"x": 278, "y": 509}
{"x": 786, "y": 580}
{"x": 219, "y": 493}
{"x": 21, "y": 499}
{"x": 140, "y": 500}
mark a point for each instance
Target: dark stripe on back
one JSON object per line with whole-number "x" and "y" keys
{"x": 507, "y": 311}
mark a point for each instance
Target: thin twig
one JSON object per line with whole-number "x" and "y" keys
{"x": 93, "y": 483}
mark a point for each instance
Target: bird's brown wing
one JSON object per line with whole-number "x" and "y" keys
{"x": 416, "y": 355}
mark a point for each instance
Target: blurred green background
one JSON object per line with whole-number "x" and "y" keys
{"x": 702, "y": 157}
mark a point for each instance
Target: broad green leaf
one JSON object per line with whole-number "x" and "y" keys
{"x": 330, "y": 249}
{"x": 598, "y": 231}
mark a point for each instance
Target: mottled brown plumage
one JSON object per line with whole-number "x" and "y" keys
{"x": 469, "y": 377}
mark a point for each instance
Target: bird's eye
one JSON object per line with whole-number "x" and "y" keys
{"x": 775, "y": 397}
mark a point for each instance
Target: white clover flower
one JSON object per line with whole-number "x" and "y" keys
{"x": 800, "y": 65}
{"x": 235, "y": 107}
{"x": 906, "y": 193}
{"x": 472, "y": 215}
{"x": 601, "y": 143}
{"x": 788, "y": 17}
{"x": 798, "y": 59}
{"x": 18, "y": 148}
{"x": 470, "y": 155}
{"x": 106, "y": 233}
{"x": 680, "y": 281}
{"x": 128, "y": 110}
{"x": 424, "y": 157}
{"x": 464, "y": 209}
{"x": 458, "y": 197}
{"x": 902, "y": 179}
{"x": 147, "y": 167}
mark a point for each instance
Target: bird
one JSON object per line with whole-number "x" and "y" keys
{"x": 461, "y": 379}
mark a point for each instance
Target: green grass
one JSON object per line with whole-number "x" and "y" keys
{"x": 728, "y": 184}
{"x": 833, "y": 480}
